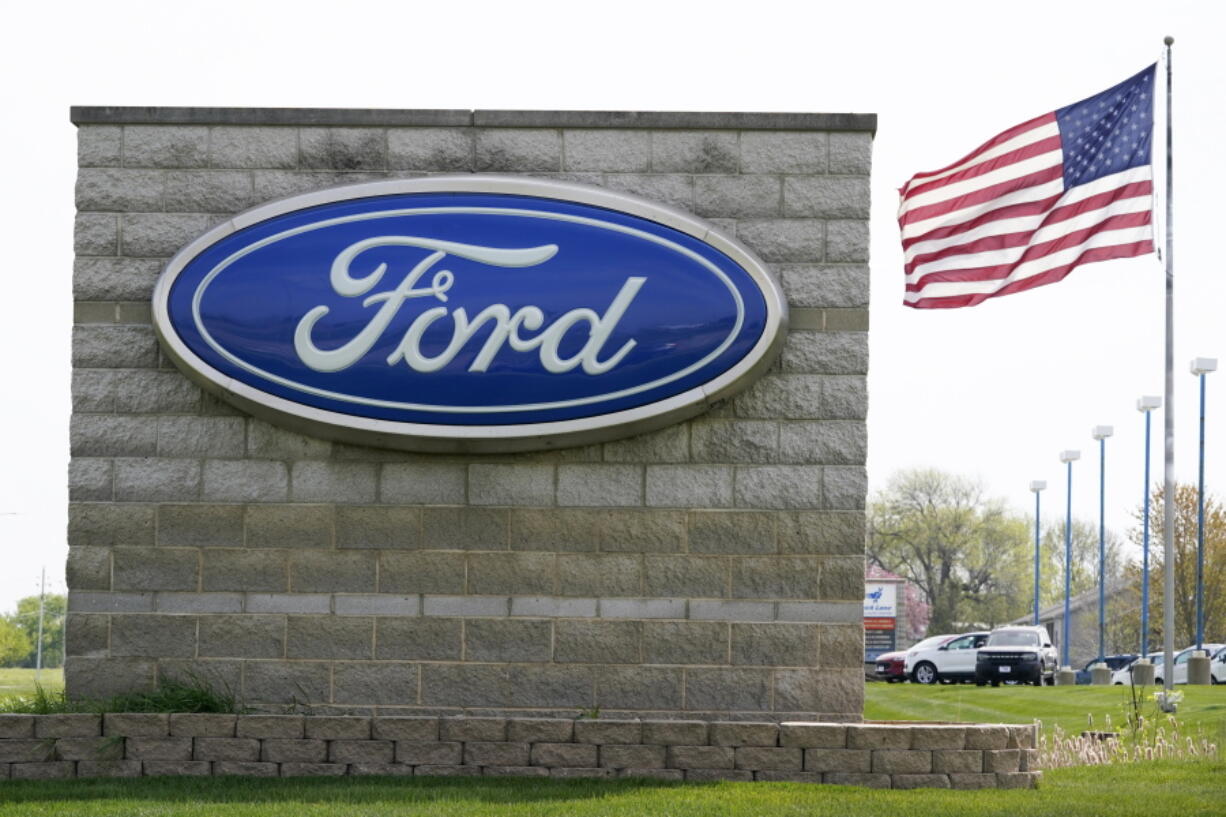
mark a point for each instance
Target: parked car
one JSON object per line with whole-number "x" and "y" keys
{"x": 949, "y": 662}
{"x": 1124, "y": 674}
{"x": 1022, "y": 654}
{"x": 1217, "y": 671}
{"x": 1180, "y": 674}
{"x": 889, "y": 666}
{"x": 1113, "y": 662}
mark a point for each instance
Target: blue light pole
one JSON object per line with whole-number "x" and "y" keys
{"x": 1146, "y": 405}
{"x": 1201, "y": 366}
{"x": 1101, "y": 433}
{"x": 1068, "y": 458}
{"x": 1036, "y": 488}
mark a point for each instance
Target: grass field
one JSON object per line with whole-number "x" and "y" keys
{"x": 1183, "y": 789}
{"x": 21, "y": 681}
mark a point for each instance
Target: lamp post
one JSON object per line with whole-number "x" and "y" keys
{"x": 1068, "y": 458}
{"x": 1036, "y": 488}
{"x": 1201, "y": 366}
{"x": 1146, "y": 405}
{"x": 1101, "y": 433}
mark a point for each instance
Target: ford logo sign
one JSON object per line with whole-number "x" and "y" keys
{"x": 469, "y": 313}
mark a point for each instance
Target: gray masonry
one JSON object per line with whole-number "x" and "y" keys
{"x": 714, "y": 569}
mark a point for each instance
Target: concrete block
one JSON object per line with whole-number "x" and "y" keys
{"x": 791, "y": 240}
{"x": 380, "y": 770}
{"x": 600, "y": 485}
{"x": 447, "y": 771}
{"x": 553, "y": 607}
{"x": 730, "y": 733}
{"x": 851, "y": 152}
{"x": 203, "y": 725}
{"x": 413, "y": 729}
{"x": 360, "y": 751}
{"x": 565, "y": 772}
{"x": 838, "y": 759}
{"x": 82, "y": 601}
{"x": 701, "y": 757}
{"x": 902, "y": 761}
{"x": 784, "y": 152}
{"x": 484, "y": 606}
{"x": 946, "y": 761}
{"x": 592, "y": 574}
{"x": 921, "y": 781}
{"x": 51, "y": 770}
{"x": 87, "y": 636}
{"x": 200, "y": 525}
{"x": 118, "y": 189}
{"x": 813, "y": 736}
{"x": 1004, "y": 780}
{"x": 825, "y": 285}
{"x": 642, "y": 608}
{"x": 105, "y": 677}
{"x": 674, "y": 733}
{"x": 288, "y": 603}
{"x": 936, "y": 737}
{"x": 138, "y": 568}
{"x": 245, "y": 636}
{"x": 178, "y": 768}
{"x": 16, "y": 727}
{"x": 632, "y": 757}
{"x": 113, "y": 347}
{"x": 713, "y": 775}
{"x": 518, "y": 150}
{"x": 376, "y": 604}
{"x": 95, "y": 234}
{"x": 777, "y": 577}
{"x": 99, "y": 145}
{"x": 788, "y": 777}
{"x": 492, "y": 484}
{"x": 159, "y": 235}
{"x": 819, "y": 690}
{"x": 827, "y": 443}
{"x": 972, "y": 781}
{"x": 1002, "y": 760}
{"x": 541, "y": 686}
{"x": 89, "y": 568}
{"x": 844, "y": 486}
{"x": 234, "y": 749}
{"x": 342, "y": 148}
{"x": 653, "y": 774}
{"x": 540, "y": 730}
{"x": 685, "y": 642}
{"x": 342, "y": 482}
{"x": 114, "y": 279}
{"x": 786, "y": 396}
{"x": 464, "y": 528}
{"x": 1024, "y": 736}
{"x": 684, "y": 151}
{"x": 731, "y": 532}
{"x": 597, "y": 642}
{"x": 515, "y": 771}
{"x": 870, "y": 781}
{"x": 720, "y": 689}
{"x": 465, "y": 730}
{"x": 779, "y": 486}
{"x": 274, "y": 184}
{"x": 165, "y": 146}
{"x": 430, "y": 149}
{"x": 416, "y": 572}
{"x": 1029, "y": 761}
{"x": 252, "y": 570}
{"x": 287, "y": 682}
{"x": 689, "y": 486}
{"x": 432, "y": 753}
{"x": 559, "y": 529}
{"x": 769, "y": 758}
{"x": 675, "y": 190}
{"x": 424, "y": 483}
{"x": 635, "y": 687}
{"x": 834, "y": 197}
{"x": 168, "y": 749}
{"x": 245, "y": 481}
{"x": 670, "y": 444}
{"x": 986, "y": 736}
{"x": 507, "y": 640}
{"x": 737, "y": 196}
{"x": 156, "y": 480}
{"x": 289, "y": 526}
{"x": 109, "y": 768}
{"x": 252, "y": 147}
{"x": 821, "y": 533}
{"x": 293, "y": 750}
{"x": 511, "y": 573}
{"x": 482, "y": 753}
{"x": 235, "y": 768}
{"x": 200, "y": 436}
{"x": 361, "y": 526}
{"x": 428, "y": 639}
{"x": 841, "y": 353}
{"x": 685, "y": 576}
{"x": 733, "y": 441}
{"x": 271, "y": 726}
{"x": 26, "y": 751}
{"x": 847, "y": 240}
{"x": 704, "y": 610}
{"x": 633, "y": 531}
{"x": 212, "y": 191}
{"x": 153, "y": 636}
{"x": 866, "y": 736}
{"x": 607, "y": 150}
{"x": 329, "y": 637}
{"x": 609, "y": 732}
{"x": 106, "y": 436}
{"x": 266, "y": 441}
{"x": 579, "y": 755}
{"x": 313, "y": 769}
{"x": 328, "y": 571}
{"x": 88, "y": 749}
{"x": 151, "y": 392}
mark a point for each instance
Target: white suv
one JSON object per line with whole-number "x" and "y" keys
{"x": 951, "y": 661}
{"x": 1181, "y": 661}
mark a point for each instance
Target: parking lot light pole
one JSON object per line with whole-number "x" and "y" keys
{"x": 1146, "y": 405}
{"x": 1101, "y": 433}
{"x": 1068, "y": 458}
{"x": 1201, "y": 366}
{"x": 1036, "y": 488}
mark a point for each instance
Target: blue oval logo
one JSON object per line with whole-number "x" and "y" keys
{"x": 490, "y": 312}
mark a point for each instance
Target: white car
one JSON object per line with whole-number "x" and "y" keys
{"x": 1217, "y": 672}
{"x": 948, "y": 661}
{"x": 1124, "y": 674}
{"x": 1181, "y": 661}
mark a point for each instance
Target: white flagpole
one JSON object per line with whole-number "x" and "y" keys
{"x": 1168, "y": 502}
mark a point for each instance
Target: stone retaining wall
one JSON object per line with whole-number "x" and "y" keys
{"x": 970, "y": 756}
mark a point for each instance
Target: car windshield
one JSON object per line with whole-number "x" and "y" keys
{"x": 934, "y": 641}
{"x": 1013, "y": 638}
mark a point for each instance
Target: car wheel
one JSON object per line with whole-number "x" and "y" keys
{"x": 925, "y": 673}
{"x": 981, "y": 683}
{"x": 1157, "y": 682}
{"x": 1037, "y": 680}
{"x": 1050, "y": 680}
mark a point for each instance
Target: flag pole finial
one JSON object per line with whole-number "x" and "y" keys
{"x": 1168, "y": 40}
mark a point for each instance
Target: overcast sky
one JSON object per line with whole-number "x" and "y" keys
{"x": 995, "y": 391}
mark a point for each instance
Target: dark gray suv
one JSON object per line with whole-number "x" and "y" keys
{"x": 1023, "y": 654}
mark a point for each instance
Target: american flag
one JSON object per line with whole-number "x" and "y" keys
{"x": 1034, "y": 202}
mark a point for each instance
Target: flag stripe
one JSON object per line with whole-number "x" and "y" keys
{"x": 954, "y": 190}
{"x": 1051, "y": 144}
{"x": 1003, "y": 141}
{"x": 1021, "y": 184}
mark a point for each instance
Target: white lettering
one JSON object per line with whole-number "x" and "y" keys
{"x": 506, "y": 325}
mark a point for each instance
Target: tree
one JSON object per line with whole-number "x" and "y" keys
{"x": 1085, "y": 561}
{"x": 26, "y": 619}
{"x": 14, "y": 646}
{"x": 1185, "y": 565}
{"x": 966, "y": 552}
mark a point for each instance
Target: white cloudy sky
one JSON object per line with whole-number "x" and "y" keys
{"x": 994, "y": 391}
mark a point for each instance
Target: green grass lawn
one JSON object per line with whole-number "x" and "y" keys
{"x": 21, "y": 681}
{"x": 1166, "y": 788}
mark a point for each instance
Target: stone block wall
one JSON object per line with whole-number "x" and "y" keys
{"x": 713, "y": 568}
{"x": 959, "y": 756}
